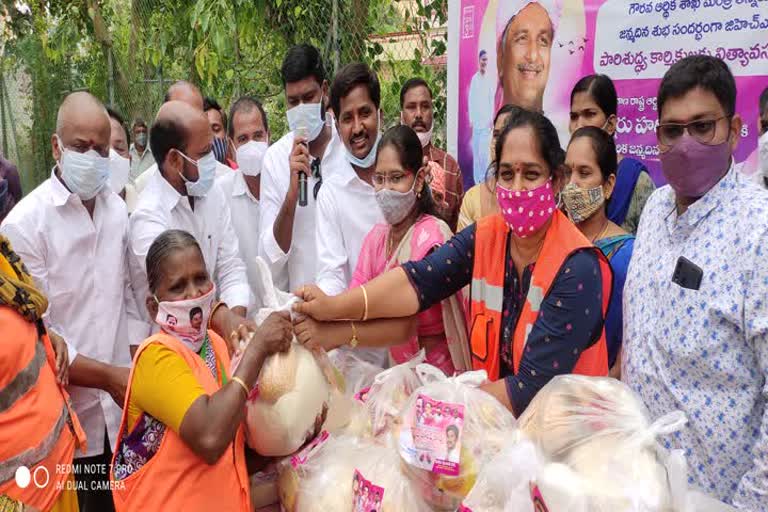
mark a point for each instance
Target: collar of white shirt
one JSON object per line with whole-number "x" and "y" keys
{"x": 240, "y": 187}
{"x": 169, "y": 196}
{"x": 701, "y": 208}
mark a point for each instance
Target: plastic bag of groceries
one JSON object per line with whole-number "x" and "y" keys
{"x": 447, "y": 433}
{"x": 350, "y": 474}
{"x": 289, "y": 403}
{"x": 346, "y": 414}
{"x": 389, "y": 393}
{"x": 601, "y": 447}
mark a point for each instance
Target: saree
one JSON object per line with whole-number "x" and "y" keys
{"x": 426, "y": 234}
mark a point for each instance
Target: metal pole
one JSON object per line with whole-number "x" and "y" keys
{"x": 111, "y": 81}
{"x": 335, "y": 30}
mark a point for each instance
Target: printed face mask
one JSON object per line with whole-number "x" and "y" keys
{"x": 395, "y": 205}
{"x": 526, "y": 211}
{"x": 693, "y": 168}
{"x": 85, "y": 174}
{"x": 305, "y": 119}
{"x": 220, "y": 149}
{"x": 582, "y": 203}
{"x": 206, "y": 172}
{"x": 250, "y": 157}
{"x": 186, "y": 320}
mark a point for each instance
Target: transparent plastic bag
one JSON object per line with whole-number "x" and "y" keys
{"x": 329, "y": 475}
{"x": 390, "y": 392}
{"x": 447, "y": 432}
{"x": 601, "y": 445}
{"x": 346, "y": 414}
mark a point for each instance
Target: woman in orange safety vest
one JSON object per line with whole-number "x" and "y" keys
{"x": 181, "y": 442}
{"x": 539, "y": 288}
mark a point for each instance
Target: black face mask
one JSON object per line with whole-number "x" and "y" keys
{"x": 220, "y": 149}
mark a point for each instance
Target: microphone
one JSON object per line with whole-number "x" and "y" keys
{"x": 301, "y": 131}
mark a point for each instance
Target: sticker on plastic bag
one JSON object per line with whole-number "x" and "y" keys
{"x": 366, "y": 496}
{"x": 431, "y": 436}
{"x": 362, "y": 395}
{"x": 538, "y": 500}
{"x": 303, "y": 456}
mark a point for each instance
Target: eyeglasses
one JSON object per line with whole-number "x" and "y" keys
{"x": 703, "y": 131}
{"x": 314, "y": 168}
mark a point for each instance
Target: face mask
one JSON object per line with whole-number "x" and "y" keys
{"x": 85, "y": 174}
{"x": 762, "y": 145}
{"x": 250, "y": 157}
{"x": 582, "y": 203}
{"x": 141, "y": 139}
{"x": 424, "y": 137}
{"x": 305, "y": 119}
{"x": 395, "y": 205}
{"x": 186, "y": 320}
{"x": 119, "y": 169}
{"x": 370, "y": 159}
{"x": 526, "y": 211}
{"x": 220, "y": 149}
{"x": 206, "y": 170}
{"x": 693, "y": 168}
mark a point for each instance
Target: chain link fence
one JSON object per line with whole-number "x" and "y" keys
{"x": 127, "y": 52}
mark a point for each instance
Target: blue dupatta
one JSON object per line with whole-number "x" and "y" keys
{"x": 626, "y": 179}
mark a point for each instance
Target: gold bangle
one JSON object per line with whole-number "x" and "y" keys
{"x": 242, "y": 385}
{"x": 353, "y": 342}
{"x": 365, "y": 298}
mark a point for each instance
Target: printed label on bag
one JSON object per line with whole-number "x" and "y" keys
{"x": 366, "y": 497}
{"x": 538, "y": 500}
{"x": 362, "y": 395}
{"x": 431, "y": 436}
{"x": 304, "y": 455}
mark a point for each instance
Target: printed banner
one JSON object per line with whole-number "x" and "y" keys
{"x": 506, "y": 56}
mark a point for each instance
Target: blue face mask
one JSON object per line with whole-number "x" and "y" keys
{"x": 220, "y": 149}
{"x": 206, "y": 170}
{"x": 370, "y": 159}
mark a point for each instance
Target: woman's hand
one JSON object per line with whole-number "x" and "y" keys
{"x": 62, "y": 358}
{"x": 316, "y": 303}
{"x": 325, "y": 335}
{"x": 275, "y": 334}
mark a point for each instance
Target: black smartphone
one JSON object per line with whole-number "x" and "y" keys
{"x": 687, "y": 274}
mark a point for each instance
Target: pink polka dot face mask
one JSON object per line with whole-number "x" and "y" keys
{"x": 526, "y": 211}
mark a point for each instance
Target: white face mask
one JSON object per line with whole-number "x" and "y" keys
{"x": 250, "y": 157}
{"x": 305, "y": 120}
{"x": 186, "y": 320}
{"x": 424, "y": 137}
{"x": 206, "y": 171}
{"x": 762, "y": 146}
{"x": 85, "y": 174}
{"x": 370, "y": 159}
{"x": 395, "y": 205}
{"x": 119, "y": 170}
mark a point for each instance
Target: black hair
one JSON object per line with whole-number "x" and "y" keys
{"x": 194, "y": 311}
{"x": 453, "y": 428}
{"x": 763, "y": 103}
{"x": 244, "y": 105}
{"x": 165, "y": 244}
{"x": 138, "y": 123}
{"x": 482, "y": 52}
{"x": 212, "y": 104}
{"x": 302, "y": 61}
{"x": 603, "y": 146}
{"x": 506, "y": 109}
{"x": 166, "y": 134}
{"x": 602, "y": 91}
{"x": 412, "y": 83}
{"x": 408, "y": 147}
{"x": 709, "y": 73}
{"x": 114, "y": 114}
{"x": 544, "y": 132}
{"x": 349, "y": 77}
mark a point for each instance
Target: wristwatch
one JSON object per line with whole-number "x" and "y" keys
{"x": 354, "y": 341}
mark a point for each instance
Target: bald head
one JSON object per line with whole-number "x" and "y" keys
{"x": 82, "y": 124}
{"x": 184, "y": 128}
{"x": 186, "y": 92}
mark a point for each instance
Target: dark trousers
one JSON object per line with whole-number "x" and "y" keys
{"x": 92, "y": 476}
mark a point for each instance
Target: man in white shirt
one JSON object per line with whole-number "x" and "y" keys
{"x": 187, "y": 93}
{"x": 183, "y": 195}
{"x": 141, "y": 156}
{"x": 347, "y": 209}
{"x": 249, "y": 130}
{"x": 482, "y": 90}
{"x": 72, "y": 232}
{"x": 287, "y": 221}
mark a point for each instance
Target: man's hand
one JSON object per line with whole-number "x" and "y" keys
{"x": 117, "y": 384}
{"x": 298, "y": 162}
{"x": 62, "y": 357}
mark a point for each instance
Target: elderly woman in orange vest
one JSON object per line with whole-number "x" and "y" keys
{"x": 539, "y": 289}
{"x": 38, "y": 430}
{"x": 181, "y": 444}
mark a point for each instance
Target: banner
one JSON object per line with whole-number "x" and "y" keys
{"x": 634, "y": 43}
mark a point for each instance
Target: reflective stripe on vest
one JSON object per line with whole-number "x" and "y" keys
{"x": 492, "y": 296}
{"x": 32, "y": 456}
{"x": 24, "y": 380}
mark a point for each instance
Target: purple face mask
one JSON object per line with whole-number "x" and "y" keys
{"x": 693, "y": 168}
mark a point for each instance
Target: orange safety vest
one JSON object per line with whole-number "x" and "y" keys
{"x": 176, "y": 478}
{"x": 38, "y": 428}
{"x": 487, "y": 296}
